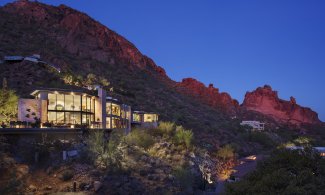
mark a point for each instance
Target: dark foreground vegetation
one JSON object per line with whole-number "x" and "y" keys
{"x": 285, "y": 172}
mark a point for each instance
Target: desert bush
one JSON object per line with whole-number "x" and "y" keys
{"x": 141, "y": 138}
{"x": 166, "y": 128}
{"x": 106, "y": 152}
{"x": 184, "y": 177}
{"x": 226, "y": 152}
{"x": 183, "y": 136}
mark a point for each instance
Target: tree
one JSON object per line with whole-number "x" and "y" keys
{"x": 8, "y": 104}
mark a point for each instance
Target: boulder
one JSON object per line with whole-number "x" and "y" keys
{"x": 97, "y": 185}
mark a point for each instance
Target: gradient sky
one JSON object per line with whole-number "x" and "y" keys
{"x": 236, "y": 45}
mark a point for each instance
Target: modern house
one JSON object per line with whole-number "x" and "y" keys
{"x": 144, "y": 119}
{"x": 256, "y": 125}
{"x": 77, "y": 108}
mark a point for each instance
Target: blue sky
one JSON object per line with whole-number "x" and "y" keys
{"x": 236, "y": 45}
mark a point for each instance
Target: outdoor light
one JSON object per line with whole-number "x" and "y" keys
{"x": 72, "y": 126}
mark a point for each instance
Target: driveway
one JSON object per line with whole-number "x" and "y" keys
{"x": 245, "y": 166}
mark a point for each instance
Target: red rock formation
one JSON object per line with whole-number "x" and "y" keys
{"x": 208, "y": 95}
{"x": 81, "y": 35}
{"x": 267, "y": 102}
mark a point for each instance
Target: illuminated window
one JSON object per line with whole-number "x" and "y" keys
{"x": 60, "y": 117}
{"x": 108, "y": 122}
{"x": 77, "y": 102}
{"x": 51, "y": 117}
{"x": 52, "y": 101}
{"x": 148, "y": 118}
{"x": 84, "y": 103}
{"x": 108, "y": 108}
{"x": 69, "y": 105}
{"x": 136, "y": 117}
{"x": 88, "y": 104}
{"x": 59, "y": 102}
{"x": 116, "y": 109}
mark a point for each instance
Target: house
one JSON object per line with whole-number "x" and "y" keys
{"x": 77, "y": 108}
{"x": 320, "y": 150}
{"x": 256, "y": 125}
{"x": 144, "y": 119}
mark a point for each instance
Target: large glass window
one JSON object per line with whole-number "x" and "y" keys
{"x": 52, "y": 101}
{"x": 77, "y": 102}
{"x": 69, "y": 105}
{"x": 69, "y": 109}
{"x": 116, "y": 109}
{"x": 52, "y": 117}
{"x": 150, "y": 117}
{"x": 108, "y": 108}
{"x": 116, "y": 123}
{"x": 59, "y": 102}
{"x": 108, "y": 122}
{"x": 60, "y": 117}
{"x": 84, "y": 103}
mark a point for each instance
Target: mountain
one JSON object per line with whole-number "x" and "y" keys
{"x": 209, "y": 95}
{"x": 266, "y": 101}
{"x": 89, "y": 53}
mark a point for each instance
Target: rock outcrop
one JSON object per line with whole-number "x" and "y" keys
{"x": 82, "y": 36}
{"x": 267, "y": 102}
{"x": 209, "y": 95}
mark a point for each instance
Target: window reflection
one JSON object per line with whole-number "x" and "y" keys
{"x": 69, "y": 108}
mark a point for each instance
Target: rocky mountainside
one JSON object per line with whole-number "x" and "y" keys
{"x": 209, "y": 95}
{"x": 81, "y": 46}
{"x": 266, "y": 101}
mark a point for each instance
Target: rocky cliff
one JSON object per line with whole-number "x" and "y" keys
{"x": 210, "y": 95}
{"x": 267, "y": 102}
{"x": 82, "y": 36}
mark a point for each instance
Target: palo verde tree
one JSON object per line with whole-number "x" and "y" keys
{"x": 8, "y": 103}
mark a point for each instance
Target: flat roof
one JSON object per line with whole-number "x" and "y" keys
{"x": 60, "y": 90}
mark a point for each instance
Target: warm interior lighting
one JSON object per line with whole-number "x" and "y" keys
{"x": 72, "y": 126}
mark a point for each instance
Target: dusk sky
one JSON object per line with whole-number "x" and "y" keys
{"x": 236, "y": 45}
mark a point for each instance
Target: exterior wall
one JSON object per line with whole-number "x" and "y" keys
{"x": 28, "y": 109}
{"x": 256, "y": 125}
{"x": 100, "y": 107}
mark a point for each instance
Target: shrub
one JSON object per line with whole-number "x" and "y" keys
{"x": 140, "y": 138}
{"x": 226, "y": 152}
{"x": 263, "y": 139}
{"x": 183, "y": 136}
{"x": 166, "y": 128}
{"x": 184, "y": 176}
{"x": 106, "y": 152}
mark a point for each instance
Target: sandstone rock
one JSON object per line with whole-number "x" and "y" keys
{"x": 208, "y": 95}
{"x": 267, "y": 102}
